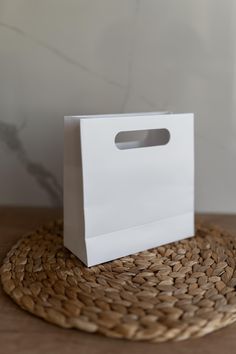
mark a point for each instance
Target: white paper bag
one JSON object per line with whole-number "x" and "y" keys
{"x": 128, "y": 183}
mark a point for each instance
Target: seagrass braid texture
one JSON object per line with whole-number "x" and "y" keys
{"x": 174, "y": 292}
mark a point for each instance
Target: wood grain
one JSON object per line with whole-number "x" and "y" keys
{"x": 23, "y": 333}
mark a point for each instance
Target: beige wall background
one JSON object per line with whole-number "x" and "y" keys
{"x": 62, "y": 57}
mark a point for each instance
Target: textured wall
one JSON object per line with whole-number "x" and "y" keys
{"x": 61, "y": 57}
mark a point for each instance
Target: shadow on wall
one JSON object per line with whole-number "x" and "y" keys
{"x": 185, "y": 62}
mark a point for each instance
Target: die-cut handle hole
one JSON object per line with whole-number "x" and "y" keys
{"x": 134, "y": 139}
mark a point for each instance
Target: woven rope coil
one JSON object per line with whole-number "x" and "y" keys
{"x": 174, "y": 292}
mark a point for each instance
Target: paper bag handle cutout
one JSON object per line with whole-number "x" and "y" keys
{"x": 133, "y": 139}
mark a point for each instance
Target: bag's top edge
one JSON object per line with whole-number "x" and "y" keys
{"x": 119, "y": 115}
{"x": 124, "y": 115}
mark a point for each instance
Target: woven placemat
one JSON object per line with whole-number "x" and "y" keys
{"x": 182, "y": 290}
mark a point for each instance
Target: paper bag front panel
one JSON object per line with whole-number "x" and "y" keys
{"x": 125, "y": 191}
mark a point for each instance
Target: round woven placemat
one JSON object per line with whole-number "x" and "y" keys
{"x": 182, "y": 290}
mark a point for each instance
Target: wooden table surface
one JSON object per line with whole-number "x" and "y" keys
{"x": 23, "y": 333}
